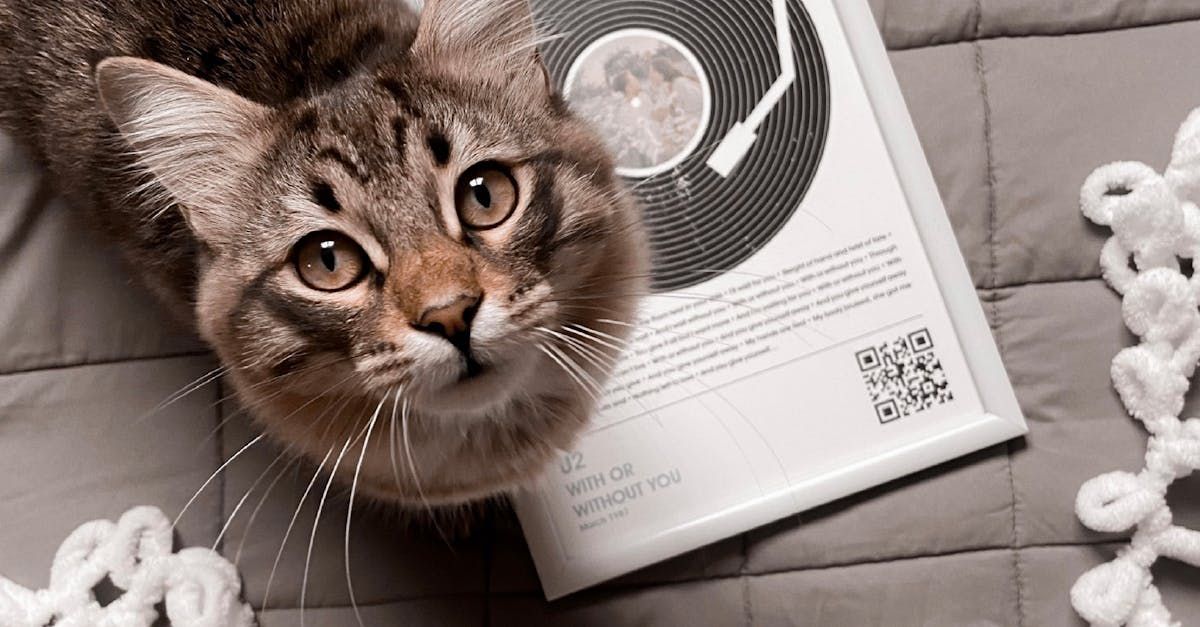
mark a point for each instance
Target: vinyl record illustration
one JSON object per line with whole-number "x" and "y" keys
{"x": 717, "y": 113}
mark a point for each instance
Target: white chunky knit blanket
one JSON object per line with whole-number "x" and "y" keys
{"x": 1155, "y": 221}
{"x": 197, "y": 586}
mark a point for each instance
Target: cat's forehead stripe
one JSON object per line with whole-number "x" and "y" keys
{"x": 308, "y": 120}
{"x": 440, "y": 147}
{"x": 325, "y": 196}
{"x": 401, "y": 95}
{"x": 352, "y": 167}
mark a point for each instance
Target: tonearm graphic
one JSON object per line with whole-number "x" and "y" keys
{"x": 737, "y": 143}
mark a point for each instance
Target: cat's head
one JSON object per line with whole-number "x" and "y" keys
{"x": 434, "y": 257}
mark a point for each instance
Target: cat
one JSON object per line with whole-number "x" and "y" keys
{"x": 393, "y": 232}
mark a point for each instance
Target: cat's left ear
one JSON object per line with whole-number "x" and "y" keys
{"x": 494, "y": 39}
{"x": 201, "y": 142}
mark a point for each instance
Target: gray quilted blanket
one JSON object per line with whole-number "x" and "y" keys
{"x": 1016, "y": 102}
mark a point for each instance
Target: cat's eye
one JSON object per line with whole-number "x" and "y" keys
{"x": 329, "y": 261}
{"x": 486, "y": 197}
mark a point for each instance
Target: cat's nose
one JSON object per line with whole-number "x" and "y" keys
{"x": 452, "y": 320}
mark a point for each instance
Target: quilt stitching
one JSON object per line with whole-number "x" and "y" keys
{"x": 993, "y": 281}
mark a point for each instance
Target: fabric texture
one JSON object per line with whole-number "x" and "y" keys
{"x": 1016, "y": 102}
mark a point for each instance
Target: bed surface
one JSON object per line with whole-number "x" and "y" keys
{"x": 1016, "y": 102}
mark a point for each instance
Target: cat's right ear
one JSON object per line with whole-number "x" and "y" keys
{"x": 201, "y": 142}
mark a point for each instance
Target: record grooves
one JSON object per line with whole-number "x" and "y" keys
{"x": 700, "y": 223}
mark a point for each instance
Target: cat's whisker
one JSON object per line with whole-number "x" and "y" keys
{"x": 392, "y": 441}
{"x": 251, "y": 405}
{"x": 242, "y": 501}
{"x": 708, "y": 271}
{"x": 200, "y": 382}
{"x": 237, "y": 559}
{"x": 597, "y": 390}
{"x": 675, "y": 296}
{"x": 416, "y": 477}
{"x": 338, "y": 405}
{"x": 715, "y": 272}
{"x": 317, "y": 397}
{"x": 350, "y": 507}
{"x": 645, "y": 327}
{"x": 643, "y": 294}
{"x": 579, "y": 349}
{"x": 312, "y": 537}
{"x": 291, "y": 525}
{"x": 217, "y": 429}
{"x": 213, "y": 477}
{"x": 571, "y": 368}
{"x": 598, "y": 359}
{"x": 545, "y": 350}
{"x": 297, "y": 411}
{"x": 605, "y": 339}
{"x": 318, "y": 365}
{"x": 184, "y": 392}
{"x": 214, "y": 375}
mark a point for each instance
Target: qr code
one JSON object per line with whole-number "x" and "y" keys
{"x": 904, "y": 376}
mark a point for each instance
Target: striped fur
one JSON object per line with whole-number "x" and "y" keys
{"x": 206, "y": 138}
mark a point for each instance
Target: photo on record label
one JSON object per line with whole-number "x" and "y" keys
{"x": 646, "y": 94}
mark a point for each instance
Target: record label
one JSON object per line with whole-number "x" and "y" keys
{"x": 647, "y": 94}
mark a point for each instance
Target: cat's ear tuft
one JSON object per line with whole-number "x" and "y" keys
{"x": 494, "y": 39}
{"x": 200, "y": 141}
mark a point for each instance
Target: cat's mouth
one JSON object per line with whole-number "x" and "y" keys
{"x": 474, "y": 369}
{"x": 479, "y": 390}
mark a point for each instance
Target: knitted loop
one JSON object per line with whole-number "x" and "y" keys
{"x": 1115, "y": 502}
{"x": 1149, "y": 222}
{"x": 1115, "y": 263}
{"x": 1159, "y": 306}
{"x": 198, "y": 592}
{"x": 199, "y": 587}
{"x": 1184, "y": 172}
{"x": 1105, "y": 188}
{"x": 1155, "y": 221}
{"x": 1107, "y": 594}
{"x": 1147, "y": 384}
{"x": 142, "y": 535}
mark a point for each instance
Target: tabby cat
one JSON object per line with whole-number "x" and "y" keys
{"x": 375, "y": 217}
